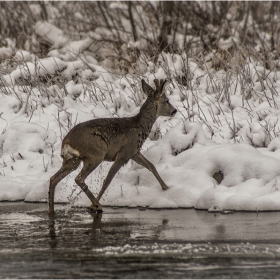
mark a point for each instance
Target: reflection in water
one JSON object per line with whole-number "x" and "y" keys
{"x": 220, "y": 231}
{"x": 128, "y": 243}
{"x": 77, "y": 229}
{"x": 97, "y": 216}
{"x": 53, "y": 242}
{"x": 61, "y": 222}
{"x": 149, "y": 232}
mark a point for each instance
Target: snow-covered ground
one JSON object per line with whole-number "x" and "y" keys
{"x": 226, "y": 128}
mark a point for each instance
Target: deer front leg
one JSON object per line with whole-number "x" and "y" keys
{"x": 112, "y": 172}
{"x": 140, "y": 159}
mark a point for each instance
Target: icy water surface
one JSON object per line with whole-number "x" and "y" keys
{"x": 136, "y": 243}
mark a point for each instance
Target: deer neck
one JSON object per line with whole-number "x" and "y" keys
{"x": 146, "y": 117}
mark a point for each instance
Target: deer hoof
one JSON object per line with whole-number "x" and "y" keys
{"x": 165, "y": 188}
{"x": 96, "y": 208}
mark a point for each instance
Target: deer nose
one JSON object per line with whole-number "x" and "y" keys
{"x": 173, "y": 113}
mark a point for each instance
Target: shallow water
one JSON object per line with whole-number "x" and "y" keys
{"x": 136, "y": 243}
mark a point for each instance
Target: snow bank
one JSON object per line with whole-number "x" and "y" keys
{"x": 51, "y": 33}
{"x": 222, "y": 149}
{"x": 187, "y": 162}
{"x": 26, "y": 153}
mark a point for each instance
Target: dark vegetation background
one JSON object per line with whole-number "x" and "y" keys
{"x": 156, "y": 25}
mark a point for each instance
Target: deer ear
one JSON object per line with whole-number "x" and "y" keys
{"x": 148, "y": 90}
{"x": 160, "y": 85}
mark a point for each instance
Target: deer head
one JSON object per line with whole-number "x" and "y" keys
{"x": 158, "y": 97}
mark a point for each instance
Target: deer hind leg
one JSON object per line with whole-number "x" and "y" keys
{"x": 68, "y": 166}
{"x": 89, "y": 166}
{"x": 140, "y": 159}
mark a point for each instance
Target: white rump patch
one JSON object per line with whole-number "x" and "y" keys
{"x": 68, "y": 152}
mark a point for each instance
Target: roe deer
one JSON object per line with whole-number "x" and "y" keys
{"x": 111, "y": 139}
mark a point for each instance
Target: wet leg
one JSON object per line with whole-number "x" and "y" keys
{"x": 67, "y": 167}
{"x": 89, "y": 166}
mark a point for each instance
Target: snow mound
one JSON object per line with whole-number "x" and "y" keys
{"x": 26, "y": 138}
{"x": 51, "y": 33}
{"x": 189, "y": 163}
{"x": 26, "y": 153}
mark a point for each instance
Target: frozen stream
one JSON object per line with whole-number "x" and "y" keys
{"x": 136, "y": 243}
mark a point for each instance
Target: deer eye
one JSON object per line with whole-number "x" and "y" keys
{"x": 167, "y": 101}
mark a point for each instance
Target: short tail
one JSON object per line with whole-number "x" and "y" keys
{"x": 68, "y": 152}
